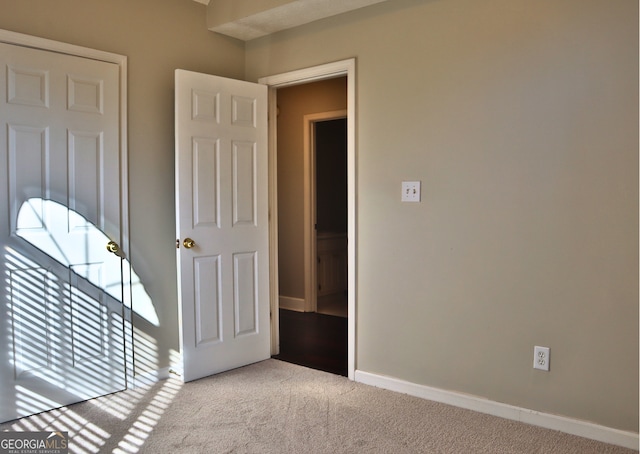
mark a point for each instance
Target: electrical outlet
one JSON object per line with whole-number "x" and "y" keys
{"x": 410, "y": 191}
{"x": 541, "y": 358}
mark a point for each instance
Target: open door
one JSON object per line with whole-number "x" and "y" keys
{"x": 222, "y": 222}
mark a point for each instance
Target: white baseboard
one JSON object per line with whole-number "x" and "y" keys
{"x": 568, "y": 425}
{"x": 151, "y": 377}
{"x": 293, "y": 304}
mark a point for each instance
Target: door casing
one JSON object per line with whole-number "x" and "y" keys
{"x": 327, "y": 71}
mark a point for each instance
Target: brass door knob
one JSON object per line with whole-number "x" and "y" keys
{"x": 188, "y": 243}
{"x": 113, "y": 247}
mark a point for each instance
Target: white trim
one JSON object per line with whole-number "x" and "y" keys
{"x": 292, "y": 304}
{"x": 35, "y": 42}
{"x": 62, "y": 48}
{"x": 310, "y": 219}
{"x": 274, "y": 289}
{"x": 549, "y": 421}
{"x": 322, "y": 72}
{"x": 154, "y": 376}
{"x": 304, "y": 76}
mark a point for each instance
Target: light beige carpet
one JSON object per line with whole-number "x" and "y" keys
{"x": 276, "y": 407}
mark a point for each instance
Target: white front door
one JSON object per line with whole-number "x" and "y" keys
{"x": 222, "y": 222}
{"x": 61, "y": 298}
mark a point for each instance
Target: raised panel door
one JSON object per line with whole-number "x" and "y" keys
{"x": 62, "y": 302}
{"x": 221, "y": 200}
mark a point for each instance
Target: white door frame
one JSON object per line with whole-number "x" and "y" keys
{"x": 310, "y": 213}
{"x": 20, "y": 39}
{"x": 327, "y": 71}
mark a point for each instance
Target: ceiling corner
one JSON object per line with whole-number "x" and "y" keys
{"x": 275, "y": 15}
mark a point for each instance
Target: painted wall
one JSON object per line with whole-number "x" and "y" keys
{"x": 521, "y": 120}
{"x": 294, "y": 103}
{"x": 157, "y": 37}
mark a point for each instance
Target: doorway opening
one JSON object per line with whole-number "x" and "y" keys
{"x": 313, "y": 316}
{"x": 329, "y": 197}
{"x": 295, "y": 294}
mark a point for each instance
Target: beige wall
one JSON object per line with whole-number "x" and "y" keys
{"x": 157, "y": 37}
{"x": 294, "y": 103}
{"x": 521, "y": 120}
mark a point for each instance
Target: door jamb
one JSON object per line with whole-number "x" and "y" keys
{"x": 316, "y": 73}
{"x": 310, "y": 214}
{"x": 20, "y": 39}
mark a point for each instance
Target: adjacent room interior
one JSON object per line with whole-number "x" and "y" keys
{"x": 313, "y": 330}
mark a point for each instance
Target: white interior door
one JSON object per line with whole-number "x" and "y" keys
{"x": 221, "y": 202}
{"x": 62, "y": 323}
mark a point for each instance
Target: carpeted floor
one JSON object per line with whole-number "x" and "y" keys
{"x": 277, "y": 407}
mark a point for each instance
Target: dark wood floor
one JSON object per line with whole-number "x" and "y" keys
{"x": 314, "y": 340}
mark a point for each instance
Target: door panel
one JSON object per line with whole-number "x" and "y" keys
{"x": 208, "y": 300}
{"x": 221, "y": 200}
{"x": 244, "y": 183}
{"x": 206, "y": 164}
{"x": 245, "y": 286}
{"x": 60, "y": 158}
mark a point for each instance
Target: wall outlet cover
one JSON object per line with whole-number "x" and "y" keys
{"x": 541, "y": 358}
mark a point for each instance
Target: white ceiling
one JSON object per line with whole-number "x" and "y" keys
{"x": 285, "y": 16}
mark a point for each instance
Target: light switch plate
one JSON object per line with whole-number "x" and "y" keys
{"x": 410, "y": 191}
